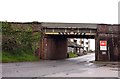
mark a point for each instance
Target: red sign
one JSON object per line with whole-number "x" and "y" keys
{"x": 103, "y": 43}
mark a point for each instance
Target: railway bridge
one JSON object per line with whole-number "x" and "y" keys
{"x": 54, "y": 39}
{"x": 53, "y": 42}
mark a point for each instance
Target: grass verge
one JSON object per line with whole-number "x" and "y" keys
{"x": 7, "y": 57}
{"x": 72, "y": 54}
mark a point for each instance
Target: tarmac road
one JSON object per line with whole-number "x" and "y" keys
{"x": 72, "y": 67}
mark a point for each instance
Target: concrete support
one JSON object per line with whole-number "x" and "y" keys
{"x": 54, "y": 48}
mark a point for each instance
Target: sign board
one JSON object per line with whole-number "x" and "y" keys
{"x": 103, "y": 52}
{"x": 103, "y": 45}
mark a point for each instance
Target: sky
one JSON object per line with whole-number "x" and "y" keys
{"x": 70, "y": 11}
{"x": 75, "y": 11}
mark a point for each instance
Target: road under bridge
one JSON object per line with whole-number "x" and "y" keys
{"x": 55, "y": 39}
{"x": 53, "y": 42}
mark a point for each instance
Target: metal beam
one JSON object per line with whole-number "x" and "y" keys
{"x": 69, "y": 25}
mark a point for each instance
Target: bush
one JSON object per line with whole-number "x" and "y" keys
{"x": 18, "y": 44}
{"x": 72, "y": 54}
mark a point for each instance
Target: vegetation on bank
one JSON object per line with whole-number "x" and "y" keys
{"x": 7, "y": 57}
{"x": 72, "y": 54}
{"x": 19, "y": 43}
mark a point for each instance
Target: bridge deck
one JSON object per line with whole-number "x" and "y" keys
{"x": 70, "y": 29}
{"x": 70, "y": 36}
{"x": 69, "y": 25}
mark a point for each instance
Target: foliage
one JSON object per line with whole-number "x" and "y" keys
{"x": 72, "y": 54}
{"x": 7, "y": 57}
{"x": 17, "y": 42}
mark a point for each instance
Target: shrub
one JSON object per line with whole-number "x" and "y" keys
{"x": 18, "y": 44}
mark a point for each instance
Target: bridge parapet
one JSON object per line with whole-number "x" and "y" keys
{"x": 70, "y": 25}
{"x": 69, "y": 29}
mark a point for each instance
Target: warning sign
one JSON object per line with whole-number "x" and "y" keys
{"x": 103, "y": 45}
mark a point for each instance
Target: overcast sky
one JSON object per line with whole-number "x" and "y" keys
{"x": 75, "y": 11}
{"x": 71, "y": 11}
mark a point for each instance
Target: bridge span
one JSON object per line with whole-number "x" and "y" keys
{"x": 53, "y": 42}
{"x": 70, "y": 30}
{"x": 55, "y": 36}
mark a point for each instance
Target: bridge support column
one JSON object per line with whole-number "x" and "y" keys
{"x": 54, "y": 48}
{"x": 96, "y": 48}
{"x": 107, "y": 43}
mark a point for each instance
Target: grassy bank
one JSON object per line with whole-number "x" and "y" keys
{"x": 72, "y": 55}
{"x": 7, "y": 57}
{"x": 19, "y": 43}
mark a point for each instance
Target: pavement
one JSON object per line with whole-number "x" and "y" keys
{"x": 71, "y": 67}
